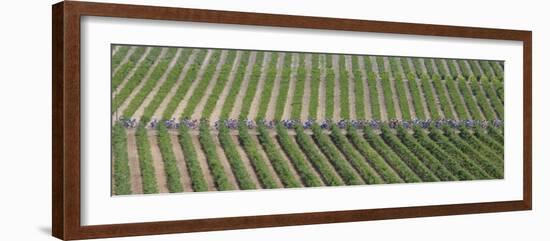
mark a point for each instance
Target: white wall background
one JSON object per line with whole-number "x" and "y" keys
{"x": 25, "y": 102}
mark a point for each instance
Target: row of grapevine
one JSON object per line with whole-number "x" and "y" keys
{"x": 216, "y": 168}
{"x": 227, "y": 104}
{"x": 416, "y": 97}
{"x": 269, "y": 82}
{"x": 277, "y": 159}
{"x": 119, "y": 56}
{"x": 456, "y": 100}
{"x": 418, "y": 70}
{"x": 258, "y": 162}
{"x": 441, "y": 67}
{"x": 344, "y": 88}
{"x": 453, "y": 70}
{"x": 171, "y": 169}
{"x": 428, "y": 63}
{"x": 442, "y": 96}
{"x": 400, "y": 89}
{"x": 198, "y": 182}
{"x": 481, "y": 147}
{"x": 251, "y": 88}
{"x": 388, "y": 95}
{"x": 430, "y": 98}
{"x": 405, "y": 65}
{"x": 284, "y": 86}
{"x": 125, "y": 68}
{"x": 329, "y": 98}
{"x": 359, "y": 88}
{"x": 315, "y": 82}
{"x": 481, "y": 99}
{"x": 464, "y": 69}
{"x": 489, "y": 141}
{"x": 237, "y": 165}
{"x": 473, "y": 108}
{"x": 147, "y": 169}
{"x": 122, "y": 184}
{"x": 297, "y": 99}
{"x": 497, "y": 105}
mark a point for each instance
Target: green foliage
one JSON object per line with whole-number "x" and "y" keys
{"x": 307, "y": 175}
{"x": 258, "y": 162}
{"x": 333, "y": 155}
{"x": 237, "y": 165}
{"x": 284, "y": 87}
{"x": 137, "y": 77}
{"x": 214, "y": 164}
{"x": 388, "y": 96}
{"x": 481, "y": 98}
{"x": 359, "y": 89}
{"x": 190, "y": 77}
{"x": 473, "y": 108}
{"x": 123, "y": 70}
{"x": 227, "y": 105}
{"x": 251, "y": 88}
{"x": 459, "y": 107}
{"x": 487, "y": 70}
{"x": 315, "y": 82}
{"x": 191, "y": 160}
{"x": 442, "y": 96}
{"x": 464, "y": 69}
{"x": 405, "y": 65}
{"x": 119, "y": 56}
{"x": 497, "y": 68}
{"x": 344, "y": 88}
{"x": 496, "y": 133}
{"x": 329, "y": 105}
{"x": 150, "y": 83}
{"x": 381, "y": 65}
{"x": 497, "y": 105}
{"x": 374, "y": 96}
{"x": 475, "y": 68}
{"x": 122, "y": 184}
{"x": 394, "y": 66}
{"x": 362, "y": 167}
{"x": 416, "y": 98}
{"x": 451, "y": 150}
{"x": 418, "y": 70}
{"x": 481, "y": 147}
{"x": 277, "y": 159}
{"x": 441, "y": 69}
{"x": 269, "y": 82}
{"x": 429, "y": 96}
{"x": 200, "y": 88}
{"x": 170, "y": 163}
{"x": 430, "y": 70}
{"x": 408, "y": 156}
{"x": 402, "y": 96}
{"x": 299, "y": 89}
{"x": 222, "y": 81}
{"x": 328, "y": 61}
{"x": 148, "y": 177}
{"x": 381, "y": 148}
{"x": 493, "y": 144}
{"x": 452, "y": 68}
{"x": 317, "y": 159}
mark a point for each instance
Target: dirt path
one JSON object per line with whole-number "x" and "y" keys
{"x": 448, "y": 96}
{"x": 238, "y": 104}
{"x": 322, "y": 90}
{"x": 291, "y": 87}
{"x": 368, "y": 106}
{"x": 130, "y": 73}
{"x": 186, "y": 182}
{"x": 304, "y": 115}
{"x": 225, "y": 163}
{"x": 270, "y": 113}
{"x": 268, "y": 162}
{"x": 203, "y": 163}
{"x": 230, "y": 81}
{"x": 124, "y": 60}
{"x": 197, "y": 113}
{"x": 337, "y": 106}
{"x": 254, "y": 106}
{"x": 198, "y": 78}
{"x": 397, "y": 107}
{"x": 147, "y": 100}
{"x": 158, "y": 112}
{"x": 158, "y": 163}
{"x": 351, "y": 89}
{"x": 246, "y": 161}
{"x": 142, "y": 82}
{"x": 135, "y": 171}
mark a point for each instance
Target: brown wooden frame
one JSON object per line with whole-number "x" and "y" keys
{"x": 66, "y": 119}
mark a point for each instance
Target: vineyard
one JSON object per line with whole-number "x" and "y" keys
{"x": 194, "y": 120}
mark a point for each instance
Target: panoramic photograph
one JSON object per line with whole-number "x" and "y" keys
{"x": 188, "y": 119}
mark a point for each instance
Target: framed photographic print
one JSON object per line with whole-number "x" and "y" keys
{"x": 169, "y": 120}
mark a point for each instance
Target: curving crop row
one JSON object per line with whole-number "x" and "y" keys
{"x": 269, "y": 82}
{"x": 450, "y": 162}
{"x": 473, "y": 108}
{"x": 402, "y": 96}
{"x": 427, "y": 157}
{"x": 497, "y": 105}
{"x": 307, "y": 175}
{"x": 137, "y": 77}
{"x": 165, "y": 88}
{"x": 328, "y": 61}
{"x": 237, "y": 164}
{"x": 451, "y": 150}
{"x": 407, "y": 156}
{"x": 150, "y": 83}
{"x": 381, "y": 65}
{"x": 229, "y": 101}
{"x": 464, "y": 69}
{"x": 190, "y": 77}
{"x": 442, "y": 96}
{"x": 344, "y": 88}
{"x": 372, "y": 157}
{"x": 119, "y": 56}
{"x": 251, "y": 88}
{"x": 405, "y": 65}
{"x": 452, "y": 68}
{"x": 475, "y": 68}
{"x": 482, "y": 135}
{"x": 497, "y": 68}
{"x": 459, "y": 107}
{"x": 480, "y": 146}
{"x": 329, "y": 105}
{"x": 258, "y": 162}
{"x": 123, "y": 70}
{"x": 388, "y": 96}
{"x": 148, "y": 178}
{"x": 418, "y": 70}
{"x": 321, "y": 164}
{"x": 284, "y": 83}
{"x": 381, "y": 148}
{"x": 359, "y": 89}
{"x": 373, "y": 93}
{"x": 122, "y": 184}
{"x": 277, "y": 159}
{"x": 170, "y": 164}
{"x": 441, "y": 69}
{"x": 394, "y": 66}
{"x": 472, "y": 152}
{"x": 430, "y": 70}
{"x": 222, "y": 80}
{"x": 429, "y": 96}
{"x": 214, "y": 164}
{"x": 368, "y": 173}
{"x": 191, "y": 160}
{"x": 315, "y": 82}
{"x": 298, "y": 97}
{"x": 333, "y": 155}
{"x": 200, "y": 88}
{"x": 487, "y": 70}
{"x": 481, "y": 99}
{"x": 416, "y": 98}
